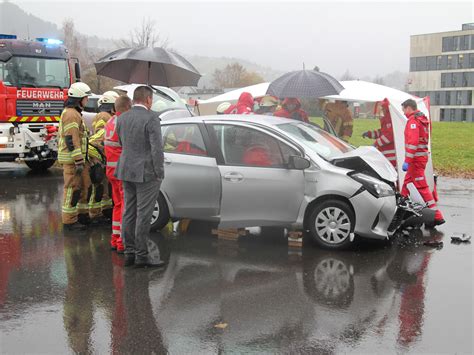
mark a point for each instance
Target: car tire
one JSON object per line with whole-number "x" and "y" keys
{"x": 330, "y": 224}
{"x": 40, "y": 165}
{"x": 161, "y": 214}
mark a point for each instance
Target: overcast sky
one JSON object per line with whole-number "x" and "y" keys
{"x": 368, "y": 38}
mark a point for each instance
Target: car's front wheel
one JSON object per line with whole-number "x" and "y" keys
{"x": 161, "y": 215}
{"x": 331, "y": 223}
{"x": 40, "y": 165}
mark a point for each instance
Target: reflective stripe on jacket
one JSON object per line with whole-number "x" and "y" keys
{"x": 71, "y": 124}
{"x": 112, "y": 146}
{"x": 417, "y": 138}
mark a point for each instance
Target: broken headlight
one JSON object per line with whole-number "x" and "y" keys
{"x": 374, "y": 186}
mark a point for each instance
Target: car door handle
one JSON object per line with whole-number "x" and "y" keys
{"x": 233, "y": 177}
{"x": 167, "y": 161}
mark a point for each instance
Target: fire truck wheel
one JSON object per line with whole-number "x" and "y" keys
{"x": 42, "y": 165}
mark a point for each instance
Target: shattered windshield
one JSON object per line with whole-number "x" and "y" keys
{"x": 316, "y": 139}
{"x": 35, "y": 72}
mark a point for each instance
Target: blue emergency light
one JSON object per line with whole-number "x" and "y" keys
{"x": 5, "y": 36}
{"x": 49, "y": 40}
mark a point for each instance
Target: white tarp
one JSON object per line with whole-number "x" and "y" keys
{"x": 362, "y": 91}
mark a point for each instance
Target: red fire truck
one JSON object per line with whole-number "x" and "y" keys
{"x": 34, "y": 78}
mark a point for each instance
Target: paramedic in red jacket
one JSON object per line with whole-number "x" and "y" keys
{"x": 112, "y": 153}
{"x": 383, "y": 136}
{"x": 243, "y": 107}
{"x": 291, "y": 108}
{"x": 417, "y": 134}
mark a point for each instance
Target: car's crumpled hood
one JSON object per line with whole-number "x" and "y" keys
{"x": 367, "y": 160}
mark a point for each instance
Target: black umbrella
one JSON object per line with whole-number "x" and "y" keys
{"x": 304, "y": 84}
{"x": 154, "y": 66}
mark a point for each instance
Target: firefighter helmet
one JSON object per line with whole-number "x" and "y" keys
{"x": 223, "y": 107}
{"x": 108, "y": 97}
{"x": 79, "y": 90}
{"x": 268, "y": 101}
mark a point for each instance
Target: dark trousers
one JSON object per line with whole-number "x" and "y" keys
{"x": 140, "y": 199}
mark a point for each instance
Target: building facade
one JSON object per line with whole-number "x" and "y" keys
{"x": 442, "y": 67}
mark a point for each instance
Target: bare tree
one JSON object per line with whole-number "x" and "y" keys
{"x": 379, "y": 80}
{"x": 235, "y": 75}
{"x": 347, "y": 76}
{"x": 78, "y": 48}
{"x": 145, "y": 35}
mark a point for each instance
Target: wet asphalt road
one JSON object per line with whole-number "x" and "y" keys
{"x": 70, "y": 294}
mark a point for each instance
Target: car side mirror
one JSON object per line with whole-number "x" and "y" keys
{"x": 298, "y": 163}
{"x": 77, "y": 70}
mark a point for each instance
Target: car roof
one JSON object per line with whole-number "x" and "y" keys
{"x": 261, "y": 119}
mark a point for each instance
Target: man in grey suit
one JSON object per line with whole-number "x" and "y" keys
{"x": 140, "y": 168}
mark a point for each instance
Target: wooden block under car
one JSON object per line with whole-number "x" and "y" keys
{"x": 295, "y": 239}
{"x": 229, "y": 233}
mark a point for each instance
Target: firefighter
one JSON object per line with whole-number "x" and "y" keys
{"x": 106, "y": 108}
{"x": 112, "y": 153}
{"x": 383, "y": 136}
{"x": 244, "y": 105}
{"x": 72, "y": 155}
{"x": 268, "y": 105}
{"x": 291, "y": 108}
{"x": 417, "y": 134}
{"x": 100, "y": 202}
{"x": 340, "y": 117}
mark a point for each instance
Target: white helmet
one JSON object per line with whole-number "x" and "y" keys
{"x": 79, "y": 90}
{"x": 223, "y": 107}
{"x": 108, "y": 97}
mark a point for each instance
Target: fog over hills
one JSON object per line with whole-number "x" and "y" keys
{"x": 15, "y": 20}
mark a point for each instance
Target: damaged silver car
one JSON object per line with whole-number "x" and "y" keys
{"x": 244, "y": 171}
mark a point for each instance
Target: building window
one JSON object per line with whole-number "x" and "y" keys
{"x": 470, "y": 79}
{"x": 450, "y": 62}
{"x": 464, "y": 79}
{"x": 441, "y": 114}
{"x": 457, "y": 43}
{"x": 459, "y": 99}
{"x": 472, "y": 42}
{"x": 437, "y": 98}
{"x": 465, "y": 43}
{"x": 442, "y": 98}
{"x": 463, "y": 115}
{"x": 412, "y": 64}
{"x": 431, "y": 63}
{"x": 448, "y": 98}
{"x": 470, "y": 115}
{"x": 448, "y": 44}
{"x": 452, "y": 114}
{"x": 439, "y": 61}
{"x": 471, "y": 60}
{"x": 443, "y": 79}
{"x": 461, "y": 61}
{"x": 421, "y": 63}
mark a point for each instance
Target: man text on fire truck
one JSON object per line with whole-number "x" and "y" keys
{"x": 384, "y": 135}
{"x": 72, "y": 155}
{"x": 417, "y": 136}
{"x": 112, "y": 153}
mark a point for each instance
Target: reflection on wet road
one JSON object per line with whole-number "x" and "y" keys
{"x": 69, "y": 293}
